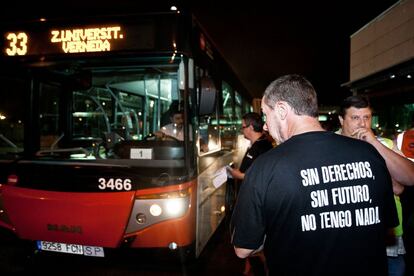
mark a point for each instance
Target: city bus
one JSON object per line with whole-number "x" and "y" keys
{"x": 81, "y": 171}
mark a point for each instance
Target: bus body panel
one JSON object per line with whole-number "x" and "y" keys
{"x": 211, "y": 205}
{"x": 79, "y": 218}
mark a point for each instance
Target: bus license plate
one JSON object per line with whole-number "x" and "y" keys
{"x": 78, "y": 249}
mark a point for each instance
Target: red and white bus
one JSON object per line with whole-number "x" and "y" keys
{"x": 80, "y": 170}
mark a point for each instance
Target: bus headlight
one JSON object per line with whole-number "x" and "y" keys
{"x": 154, "y": 208}
{"x": 174, "y": 207}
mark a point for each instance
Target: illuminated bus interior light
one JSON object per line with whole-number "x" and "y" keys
{"x": 322, "y": 118}
{"x": 173, "y": 8}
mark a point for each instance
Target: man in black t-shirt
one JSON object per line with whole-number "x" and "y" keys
{"x": 252, "y": 129}
{"x": 320, "y": 203}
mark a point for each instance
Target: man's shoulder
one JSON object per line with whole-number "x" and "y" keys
{"x": 327, "y": 142}
{"x": 263, "y": 144}
{"x": 320, "y": 136}
{"x": 168, "y": 126}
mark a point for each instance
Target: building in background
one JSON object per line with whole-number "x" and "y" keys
{"x": 382, "y": 67}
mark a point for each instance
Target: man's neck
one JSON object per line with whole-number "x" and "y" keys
{"x": 255, "y": 137}
{"x": 305, "y": 124}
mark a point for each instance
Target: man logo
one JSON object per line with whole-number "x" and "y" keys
{"x": 64, "y": 228}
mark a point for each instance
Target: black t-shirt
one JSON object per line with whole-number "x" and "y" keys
{"x": 323, "y": 201}
{"x": 260, "y": 146}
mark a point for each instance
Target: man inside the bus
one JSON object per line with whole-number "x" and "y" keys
{"x": 173, "y": 130}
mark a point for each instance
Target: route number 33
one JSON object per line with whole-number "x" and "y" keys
{"x": 115, "y": 184}
{"x": 17, "y": 44}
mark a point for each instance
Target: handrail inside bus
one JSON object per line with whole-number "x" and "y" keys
{"x": 53, "y": 146}
{"x": 98, "y": 104}
{"x": 10, "y": 143}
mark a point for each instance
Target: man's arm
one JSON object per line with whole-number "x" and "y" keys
{"x": 397, "y": 188}
{"x": 236, "y": 173}
{"x": 401, "y": 169}
{"x": 244, "y": 252}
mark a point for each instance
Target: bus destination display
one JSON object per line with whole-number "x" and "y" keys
{"x": 65, "y": 41}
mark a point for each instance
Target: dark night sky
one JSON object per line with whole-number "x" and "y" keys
{"x": 263, "y": 39}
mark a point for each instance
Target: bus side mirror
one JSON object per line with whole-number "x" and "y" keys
{"x": 208, "y": 95}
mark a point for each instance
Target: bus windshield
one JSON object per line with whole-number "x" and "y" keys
{"x": 109, "y": 115}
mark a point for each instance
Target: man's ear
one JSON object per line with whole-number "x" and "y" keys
{"x": 282, "y": 109}
{"x": 341, "y": 120}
